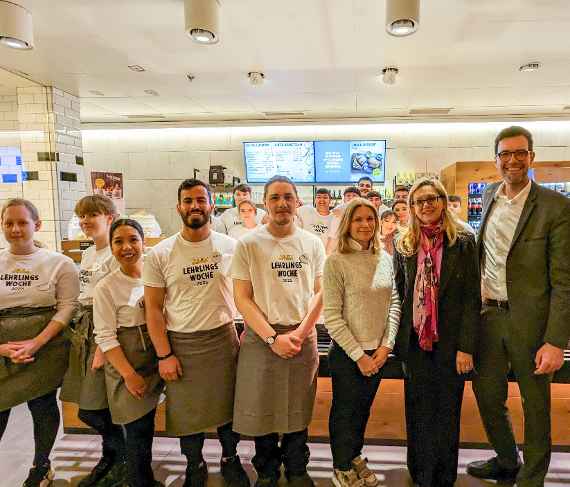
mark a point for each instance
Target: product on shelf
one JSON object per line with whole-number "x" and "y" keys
{"x": 475, "y": 204}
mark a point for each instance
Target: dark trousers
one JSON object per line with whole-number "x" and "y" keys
{"x": 433, "y": 396}
{"x": 191, "y": 445}
{"x": 352, "y": 398}
{"x": 500, "y": 345}
{"x": 111, "y": 434}
{"x": 140, "y": 434}
{"x": 46, "y": 417}
{"x": 293, "y": 453}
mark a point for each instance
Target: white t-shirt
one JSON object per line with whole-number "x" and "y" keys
{"x": 238, "y": 231}
{"x": 118, "y": 301}
{"x": 312, "y": 221}
{"x": 43, "y": 278}
{"x": 95, "y": 265}
{"x": 230, "y": 218}
{"x": 196, "y": 278}
{"x": 282, "y": 272}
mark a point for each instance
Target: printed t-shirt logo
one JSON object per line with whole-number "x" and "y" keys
{"x": 286, "y": 267}
{"x": 202, "y": 270}
{"x": 320, "y": 228}
{"x": 19, "y": 279}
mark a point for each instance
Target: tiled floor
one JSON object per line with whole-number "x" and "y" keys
{"x": 75, "y": 455}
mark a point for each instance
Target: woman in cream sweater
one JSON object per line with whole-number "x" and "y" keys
{"x": 362, "y": 313}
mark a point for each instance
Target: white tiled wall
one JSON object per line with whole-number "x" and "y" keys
{"x": 154, "y": 161}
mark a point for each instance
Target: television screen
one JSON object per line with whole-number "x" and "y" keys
{"x": 264, "y": 160}
{"x": 347, "y": 161}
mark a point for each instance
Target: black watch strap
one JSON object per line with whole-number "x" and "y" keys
{"x": 168, "y": 355}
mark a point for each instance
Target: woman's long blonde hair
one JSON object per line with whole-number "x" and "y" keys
{"x": 344, "y": 245}
{"x": 409, "y": 244}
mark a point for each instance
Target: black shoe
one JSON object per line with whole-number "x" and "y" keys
{"x": 196, "y": 476}
{"x": 116, "y": 476}
{"x": 492, "y": 470}
{"x": 39, "y": 476}
{"x": 263, "y": 481}
{"x": 98, "y": 472}
{"x": 302, "y": 480}
{"x": 233, "y": 473}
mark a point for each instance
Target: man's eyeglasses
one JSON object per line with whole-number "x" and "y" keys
{"x": 430, "y": 201}
{"x": 519, "y": 155}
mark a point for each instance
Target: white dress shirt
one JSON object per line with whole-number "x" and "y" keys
{"x": 500, "y": 229}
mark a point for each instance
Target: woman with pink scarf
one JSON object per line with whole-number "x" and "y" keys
{"x": 437, "y": 275}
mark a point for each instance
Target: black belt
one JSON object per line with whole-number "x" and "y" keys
{"x": 494, "y": 303}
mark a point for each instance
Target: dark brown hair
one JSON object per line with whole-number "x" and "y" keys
{"x": 513, "y": 131}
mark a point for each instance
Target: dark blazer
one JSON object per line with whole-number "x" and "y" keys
{"x": 538, "y": 267}
{"x": 459, "y": 299}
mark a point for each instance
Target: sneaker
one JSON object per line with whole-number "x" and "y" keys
{"x": 492, "y": 470}
{"x": 302, "y": 480}
{"x": 196, "y": 476}
{"x": 98, "y": 472}
{"x": 116, "y": 476}
{"x": 233, "y": 473}
{"x": 39, "y": 476}
{"x": 346, "y": 478}
{"x": 360, "y": 466}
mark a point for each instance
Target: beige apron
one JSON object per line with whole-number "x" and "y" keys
{"x": 274, "y": 395}
{"x": 20, "y": 383}
{"x": 82, "y": 385}
{"x": 203, "y": 397}
{"x": 137, "y": 347}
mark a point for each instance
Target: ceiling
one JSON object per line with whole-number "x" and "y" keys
{"x": 320, "y": 57}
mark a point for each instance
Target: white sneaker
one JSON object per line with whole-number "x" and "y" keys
{"x": 346, "y": 478}
{"x": 364, "y": 473}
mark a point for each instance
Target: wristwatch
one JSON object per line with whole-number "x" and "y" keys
{"x": 271, "y": 340}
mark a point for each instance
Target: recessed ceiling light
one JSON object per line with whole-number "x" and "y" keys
{"x": 389, "y": 75}
{"x": 136, "y": 67}
{"x": 96, "y": 92}
{"x": 529, "y": 67}
{"x": 256, "y": 78}
{"x": 402, "y": 17}
{"x": 16, "y": 29}
{"x": 190, "y": 77}
{"x": 151, "y": 92}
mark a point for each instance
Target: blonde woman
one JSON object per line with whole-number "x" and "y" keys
{"x": 437, "y": 275}
{"x": 362, "y": 312}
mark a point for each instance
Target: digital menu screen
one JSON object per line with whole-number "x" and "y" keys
{"x": 348, "y": 160}
{"x": 263, "y": 160}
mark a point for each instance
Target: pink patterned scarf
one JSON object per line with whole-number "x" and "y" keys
{"x": 426, "y": 287}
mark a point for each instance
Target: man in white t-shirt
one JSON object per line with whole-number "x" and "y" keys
{"x": 230, "y": 218}
{"x": 376, "y": 199}
{"x": 365, "y": 185}
{"x": 278, "y": 361}
{"x": 317, "y": 219}
{"x": 189, "y": 311}
{"x": 331, "y": 238}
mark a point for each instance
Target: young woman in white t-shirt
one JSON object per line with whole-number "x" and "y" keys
{"x": 38, "y": 295}
{"x": 85, "y": 381}
{"x": 131, "y": 368}
{"x": 247, "y": 212}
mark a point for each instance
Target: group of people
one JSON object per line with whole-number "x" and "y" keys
{"x": 421, "y": 288}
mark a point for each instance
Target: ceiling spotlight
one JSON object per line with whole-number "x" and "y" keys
{"x": 256, "y": 78}
{"x": 151, "y": 92}
{"x": 202, "y": 20}
{"x": 16, "y": 29}
{"x": 389, "y": 75}
{"x": 402, "y": 17}
{"x": 190, "y": 77}
{"x": 529, "y": 67}
{"x": 136, "y": 68}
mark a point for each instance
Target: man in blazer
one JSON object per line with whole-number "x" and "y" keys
{"x": 524, "y": 248}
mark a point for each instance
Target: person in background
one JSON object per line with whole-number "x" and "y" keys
{"x": 362, "y": 315}
{"x": 524, "y": 246}
{"x": 401, "y": 193}
{"x": 388, "y": 230}
{"x": 38, "y": 296}
{"x": 278, "y": 359}
{"x": 84, "y": 383}
{"x": 437, "y": 273}
{"x": 131, "y": 367}
{"x": 247, "y": 212}
{"x": 190, "y": 310}
{"x": 376, "y": 199}
{"x": 402, "y": 212}
{"x": 365, "y": 185}
{"x": 455, "y": 208}
{"x": 230, "y": 218}
{"x": 317, "y": 219}
{"x": 347, "y": 196}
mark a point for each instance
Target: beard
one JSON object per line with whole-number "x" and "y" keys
{"x": 190, "y": 219}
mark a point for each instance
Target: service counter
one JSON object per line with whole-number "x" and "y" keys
{"x": 387, "y": 421}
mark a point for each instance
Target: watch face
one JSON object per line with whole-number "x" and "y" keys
{"x": 270, "y": 340}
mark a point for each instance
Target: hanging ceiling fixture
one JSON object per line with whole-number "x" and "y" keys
{"x": 202, "y": 18}
{"x": 16, "y": 28}
{"x": 402, "y": 17}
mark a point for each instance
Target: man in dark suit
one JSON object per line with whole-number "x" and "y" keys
{"x": 524, "y": 247}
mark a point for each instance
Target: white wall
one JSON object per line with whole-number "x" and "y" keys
{"x": 155, "y": 160}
